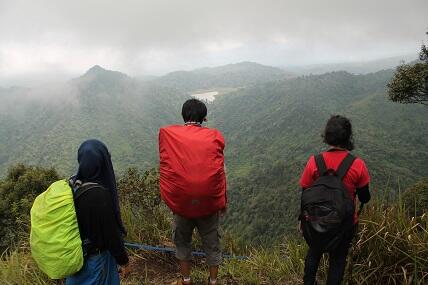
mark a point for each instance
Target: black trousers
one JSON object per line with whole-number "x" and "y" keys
{"x": 337, "y": 261}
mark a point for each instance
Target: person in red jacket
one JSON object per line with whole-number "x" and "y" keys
{"x": 338, "y": 135}
{"x": 193, "y": 185}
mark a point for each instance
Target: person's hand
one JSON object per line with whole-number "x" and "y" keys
{"x": 124, "y": 270}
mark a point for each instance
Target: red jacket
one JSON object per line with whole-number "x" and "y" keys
{"x": 192, "y": 176}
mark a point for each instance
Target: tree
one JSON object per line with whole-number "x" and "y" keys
{"x": 410, "y": 81}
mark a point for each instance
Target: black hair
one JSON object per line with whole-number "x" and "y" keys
{"x": 338, "y": 132}
{"x": 194, "y": 110}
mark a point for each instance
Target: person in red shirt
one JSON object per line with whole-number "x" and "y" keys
{"x": 338, "y": 135}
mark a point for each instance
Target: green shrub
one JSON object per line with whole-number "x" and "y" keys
{"x": 392, "y": 247}
{"x": 18, "y": 268}
{"x": 146, "y": 218}
{"x": 17, "y": 193}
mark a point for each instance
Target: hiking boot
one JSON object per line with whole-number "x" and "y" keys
{"x": 180, "y": 281}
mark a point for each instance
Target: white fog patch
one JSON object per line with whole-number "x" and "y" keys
{"x": 206, "y": 96}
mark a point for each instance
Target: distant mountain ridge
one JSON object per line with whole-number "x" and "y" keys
{"x": 362, "y": 67}
{"x": 231, "y": 75}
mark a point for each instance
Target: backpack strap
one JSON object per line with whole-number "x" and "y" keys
{"x": 84, "y": 188}
{"x": 320, "y": 162}
{"x": 78, "y": 191}
{"x": 345, "y": 165}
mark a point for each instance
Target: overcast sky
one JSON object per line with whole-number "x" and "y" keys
{"x": 43, "y": 39}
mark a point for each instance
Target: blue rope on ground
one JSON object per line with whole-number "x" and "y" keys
{"x": 172, "y": 250}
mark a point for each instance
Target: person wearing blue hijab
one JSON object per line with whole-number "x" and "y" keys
{"x": 98, "y": 216}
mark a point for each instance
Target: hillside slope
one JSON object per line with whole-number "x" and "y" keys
{"x": 273, "y": 128}
{"x": 46, "y": 126}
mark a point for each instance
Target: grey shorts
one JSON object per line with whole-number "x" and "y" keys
{"x": 208, "y": 228}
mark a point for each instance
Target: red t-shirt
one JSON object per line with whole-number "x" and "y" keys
{"x": 357, "y": 176}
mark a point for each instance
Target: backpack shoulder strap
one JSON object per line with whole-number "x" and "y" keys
{"x": 320, "y": 162}
{"x": 85, "y": 188}
{"x": 345, "y": 165}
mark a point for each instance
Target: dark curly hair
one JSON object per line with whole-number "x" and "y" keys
{"x": 338, "y": 132}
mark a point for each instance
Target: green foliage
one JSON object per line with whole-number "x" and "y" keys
{"x": 124, "y": 113}
{"x": 392, "y": 247}
{"x": 146, "y": 218}
{"x": 17, "y": 192}
{"x": 415, "y": 198}
{"x": 18, "y": 268}
{"x": 281, "y": 264}
{"x": 272, "y": 129}
{"x": 410, "y": 82}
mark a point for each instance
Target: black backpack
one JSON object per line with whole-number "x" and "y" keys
{"x": 327, "y": 208}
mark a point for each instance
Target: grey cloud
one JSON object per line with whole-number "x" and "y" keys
{"x": 182, "y": 31}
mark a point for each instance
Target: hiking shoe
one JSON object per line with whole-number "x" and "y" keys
{"x": 180, "y": 281}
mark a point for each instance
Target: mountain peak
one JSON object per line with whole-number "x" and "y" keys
{"x": 97, "y": 71}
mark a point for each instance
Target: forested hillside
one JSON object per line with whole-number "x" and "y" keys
{"x": 45, "y": 126}
{"x": 273, "y": 128}
{"x": 271, "y": 125}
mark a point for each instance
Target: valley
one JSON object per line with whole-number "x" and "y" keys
{"x": 271, "y": 125}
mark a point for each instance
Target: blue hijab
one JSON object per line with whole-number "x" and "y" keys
{"x": 95, "y": 166}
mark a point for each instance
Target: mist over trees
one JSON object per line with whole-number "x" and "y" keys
{"x": 271, "y": 123}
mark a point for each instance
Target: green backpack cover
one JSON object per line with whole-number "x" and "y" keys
{"x": 55, "y": 240}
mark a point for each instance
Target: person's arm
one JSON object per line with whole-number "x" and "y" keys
{"x": 307, "y": 178}
{"x": 306, "y": 181}
{"x": 363, "y": 194}
{"x": 362, "y": 187}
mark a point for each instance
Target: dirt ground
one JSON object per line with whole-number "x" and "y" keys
{"x": 158, "y": 269}
{"x": 151, "y": 268}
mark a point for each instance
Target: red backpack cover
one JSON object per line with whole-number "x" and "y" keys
{"x": 192, "y": 176}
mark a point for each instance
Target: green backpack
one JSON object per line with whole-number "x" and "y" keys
{"x": 55, "y": 240}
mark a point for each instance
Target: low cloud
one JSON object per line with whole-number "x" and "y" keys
{"x": 146, "y": 37}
